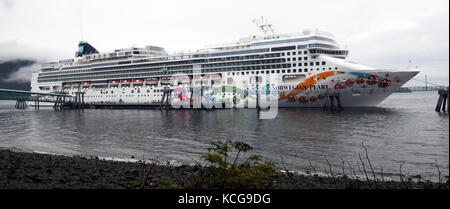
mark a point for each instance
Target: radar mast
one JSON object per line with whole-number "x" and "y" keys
{"x": 265, "y": 27}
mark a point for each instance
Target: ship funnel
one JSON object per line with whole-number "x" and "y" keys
{"x": 85, "y": 48}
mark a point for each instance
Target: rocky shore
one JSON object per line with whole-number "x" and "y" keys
{"x": 20, "y": 170}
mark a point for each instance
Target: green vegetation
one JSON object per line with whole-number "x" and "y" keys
{"x": 225, "y": 172}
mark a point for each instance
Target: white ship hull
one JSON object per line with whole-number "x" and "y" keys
{"x": 352, "y": 94}
{"x": 295, "y": 71}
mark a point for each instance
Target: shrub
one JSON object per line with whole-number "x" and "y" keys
{"x": 225, "y": 173}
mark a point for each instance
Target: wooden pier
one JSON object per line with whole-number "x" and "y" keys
{"x": 443, "y": 100}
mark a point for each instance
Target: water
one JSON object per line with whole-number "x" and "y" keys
{"x": 403, "y": 130}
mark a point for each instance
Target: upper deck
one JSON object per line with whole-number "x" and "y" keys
{"x": 285, "y": 52}
{"x": 317, "y": 42}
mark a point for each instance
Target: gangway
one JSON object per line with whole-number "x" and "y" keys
{"x": 59, "y": 99}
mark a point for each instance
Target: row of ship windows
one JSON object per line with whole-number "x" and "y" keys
{"x": 132, "y": 91}
{"x": 207, "y": 70}
{"x": 247, "y": 57}
{"x": 294, "y": 53}
{"x": 331, "y": 52}
{"x": 207, "y": 65}
{"x": 101, "y": 96}
{"x": 289, "y": 48}
{"x": 316, "y": 51}
{"x": 295, "y": 59}
{"x": 112, "y": 72}
{"x": 220, "y": 59}
{"x": 78, "y": 76}
{"x": 110, "y": 75}
{"x": 232, "y": 52}
{"x": 113, "y": 69}
{"x": 298, "y": 70}
{"x": 255, "y": 62}
{"x": 310, "y": 64}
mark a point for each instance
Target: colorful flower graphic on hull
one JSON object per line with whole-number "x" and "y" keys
{"x": 373, "y": 79}
{"x": 360, "y": 80}
{"x": 349, "y": 82}
{"x": 384, "y": 83}
{"x": 303, "y": 100}
{"x": 339, "y": 85}
{"x": 292, "y": 98}
{"x": 310, "y": 81}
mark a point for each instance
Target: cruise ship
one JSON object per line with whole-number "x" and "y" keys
{"x": 298, "y": 70}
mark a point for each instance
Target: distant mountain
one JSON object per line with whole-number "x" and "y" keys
{"x": 9, "y": 67}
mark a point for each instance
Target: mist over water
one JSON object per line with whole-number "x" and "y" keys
{"x": 403, "y": 130}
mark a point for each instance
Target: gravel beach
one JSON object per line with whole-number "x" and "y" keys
{"x": 22, "y": 170}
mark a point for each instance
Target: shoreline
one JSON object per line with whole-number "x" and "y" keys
{"x": 24, "y": 170}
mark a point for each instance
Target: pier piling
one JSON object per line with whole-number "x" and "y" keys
{"x": 330, "y": 105}
{"x": 21, "y": 104}
{"x": 36, "y": 103}
{"x": 164, "y": 103}
{"x": 443, "y": 103}
{"x": 79, "y": 100}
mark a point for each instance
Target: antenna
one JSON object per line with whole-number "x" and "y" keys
{"x": 264, "y": 27}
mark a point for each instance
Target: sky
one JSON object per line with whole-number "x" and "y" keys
{"x": 387, "y": 34}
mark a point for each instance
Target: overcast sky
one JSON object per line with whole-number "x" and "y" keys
{"x": 381, "y": 34}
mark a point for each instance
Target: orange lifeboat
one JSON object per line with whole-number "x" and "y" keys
{"x": 138, "y": 81}
{"x": 125, "y": 81}
{"x": 151, "y": 81}
{"x": 216, "y": 77}
{"x": 166, "y": 80}
{"x": 205, "y": 77}
{"x": 115, "y": 82}
{"x": 184, "y": 78}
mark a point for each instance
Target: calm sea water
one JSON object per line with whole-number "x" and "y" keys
{"x": 403, "y": 130}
